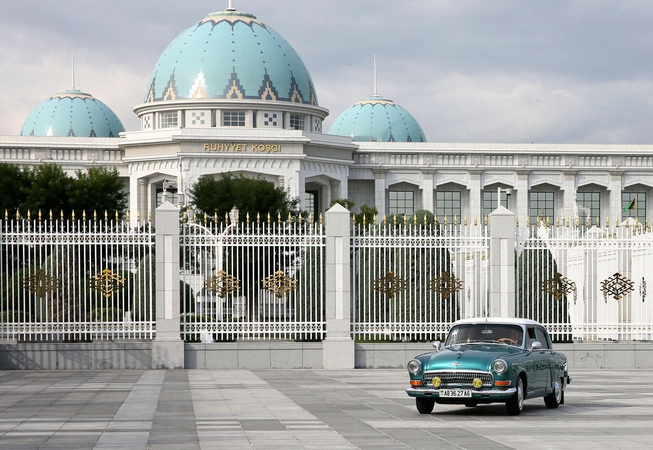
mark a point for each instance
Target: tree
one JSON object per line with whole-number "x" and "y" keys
{"x": 48, "y": 189}
{"x": 249, "y": 195}
{"x": 14, "y": 182}
{"x": 99, "y": 189}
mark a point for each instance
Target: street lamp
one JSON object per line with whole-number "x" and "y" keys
{"x": 508, "y": 192}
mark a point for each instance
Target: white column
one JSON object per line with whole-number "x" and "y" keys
{"x": 379, "y": 192}
{"x": 167, "y": 347}
{"x": 143, "y": 198}
{"x": 569, "y": 193}
{"x": 521, "y": 208}
{"x": 427, "y": 190}
{"x": 338, "y": 346}
{"x": 501, "y": 224}
{"x": 615, "y": 187}
{"x": 475, "y": 209}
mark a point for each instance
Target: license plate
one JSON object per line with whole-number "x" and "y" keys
{"x": 449, "y": 393}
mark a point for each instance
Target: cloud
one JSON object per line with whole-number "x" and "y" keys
{"x": 468, "y": 70}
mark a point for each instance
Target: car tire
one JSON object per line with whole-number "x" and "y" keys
{"x": 424, "y": 405}
{"x": 515, "y": 404}
{"x": 471, "y": 404}
{"x": 554, "y": 399}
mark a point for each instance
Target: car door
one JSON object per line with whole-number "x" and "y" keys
{"x": 543, "y": 358}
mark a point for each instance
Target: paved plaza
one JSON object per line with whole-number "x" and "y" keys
{"x": 295, "y": 409}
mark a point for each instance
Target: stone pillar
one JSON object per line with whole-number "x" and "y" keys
{"x": 379, "y": 193}
{"x": 501, "y": 228}
{"x": 569, "y": 194}
{"x": 615, "y": 188}
{"x": 167, "y": 347}
{"x": 475, "y": 206}
{"x": 427, "y": 190}
{"x": 521, "y": 207}
{"x": 142, "y": 198}
{"x": 338, "y": 347}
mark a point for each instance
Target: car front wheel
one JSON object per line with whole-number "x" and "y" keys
{"x": 554, "y": 399}
{"x": 515, "y": 404}
{"x": 424, "y": 405}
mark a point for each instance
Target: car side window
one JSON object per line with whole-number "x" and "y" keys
{"x": 541, "y": 337}
{"x": 531, "y": 337}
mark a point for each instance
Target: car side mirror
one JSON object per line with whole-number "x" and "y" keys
{"x": 536, "y": 345}
{"x": 437, "y": 345}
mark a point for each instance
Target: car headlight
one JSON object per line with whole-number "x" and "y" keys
{"x": 414, "y": 366}
{"x": 499, "y": 366}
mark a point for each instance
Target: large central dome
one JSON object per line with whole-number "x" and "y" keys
{"x": 230, "y": 55}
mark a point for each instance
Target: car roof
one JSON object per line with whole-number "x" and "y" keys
{"x": 498, "y": 320}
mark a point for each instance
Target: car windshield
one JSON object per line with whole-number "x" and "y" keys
{"x": 486, "y": 332}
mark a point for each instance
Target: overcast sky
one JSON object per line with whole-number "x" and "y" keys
{"x": 558, "y": 71}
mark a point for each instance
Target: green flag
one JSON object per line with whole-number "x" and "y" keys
{"x": 633, "y": 205}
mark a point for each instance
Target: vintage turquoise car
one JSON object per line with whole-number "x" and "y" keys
{"x": 490, "y": 360}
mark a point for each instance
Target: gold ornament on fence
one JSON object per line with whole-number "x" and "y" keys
{"x": 617, "y": 286}
{"x": 559, "y": 286}
{"x": 279, "y": 284}
{"x": 107, "y": 283}
{"x": 446, "y": 285}
{"x": 41, "y": 283}
{"x": 222, "y": 284}
{"x": 389, "y": 284}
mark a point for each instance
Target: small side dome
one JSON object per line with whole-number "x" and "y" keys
{"x": 72, "y": 113}
{"x": 378, "y": 119}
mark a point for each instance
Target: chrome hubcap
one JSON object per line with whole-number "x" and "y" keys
{"x": 520, "y": 394}
{"x": 558, "y": 391}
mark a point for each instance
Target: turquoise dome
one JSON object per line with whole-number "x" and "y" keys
{"x": 230, "y": 55}
{"x": 378, "y": 119}
{"x": 72, "y": 113}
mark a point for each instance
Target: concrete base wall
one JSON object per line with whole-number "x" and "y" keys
{"x": 87, "y": 356}
{"x": 254, "y": 355}
{"x": 280, "y": 355}
{"x": 628, "y": 355}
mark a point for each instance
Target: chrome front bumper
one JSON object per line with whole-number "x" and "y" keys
{"x": 429, "y": 392}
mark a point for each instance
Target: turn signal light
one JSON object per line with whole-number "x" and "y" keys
{"x": 502, "y": 383}
{"x": 415, "y": 383}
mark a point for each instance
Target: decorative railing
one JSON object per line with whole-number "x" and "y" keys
{"x": 76, "y": 280}
{"x": 252, "y": 281}
{"x": 412, "y": 281}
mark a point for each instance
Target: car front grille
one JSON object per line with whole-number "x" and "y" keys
{"x": 460, "y": 379}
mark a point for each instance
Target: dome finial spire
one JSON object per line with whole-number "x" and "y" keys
{"x": 375, "y": 90}
{"x": 231, "y": 6}
{"x": 73, "y": 67}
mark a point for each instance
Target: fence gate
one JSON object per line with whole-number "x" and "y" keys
{"x": 243, "y": 281}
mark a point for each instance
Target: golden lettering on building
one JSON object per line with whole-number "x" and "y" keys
{"x": 231, "y": 147}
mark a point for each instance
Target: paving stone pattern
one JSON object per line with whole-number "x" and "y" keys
{"x": 305, "y": 409}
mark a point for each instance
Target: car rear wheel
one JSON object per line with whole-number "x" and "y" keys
{"x": 554, "y": 399}
{"x": 515, "y": 404}
{"x": 424, "y": 405}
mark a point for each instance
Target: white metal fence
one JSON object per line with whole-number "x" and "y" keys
{"x": 587, "y": 283}
{"x": 82, "y": 280}
{"x": 250, "y": 281}
{"x": 76, "y": 280}
{"x": 411, "y": 282}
